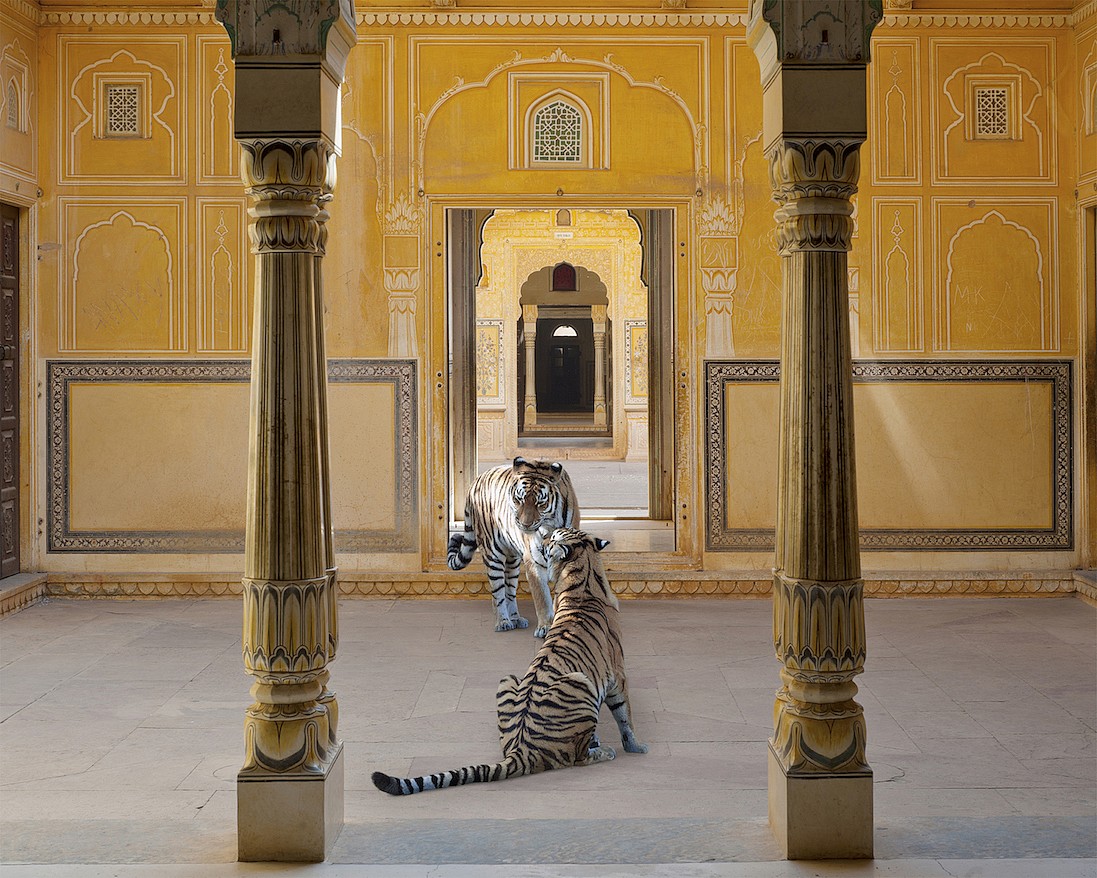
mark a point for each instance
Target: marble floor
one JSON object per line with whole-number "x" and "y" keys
{"x": 120, "y": 736}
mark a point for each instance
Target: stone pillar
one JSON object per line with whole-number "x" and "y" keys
{"x": 529, "y": 321}
{"x": 289, "y": 66}
{"x": 813, "y": 57}
{"x": 598, "y": 312}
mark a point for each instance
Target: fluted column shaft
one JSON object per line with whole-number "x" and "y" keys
{"x": 818, "y": 611}
{"x": 288, "y": 632}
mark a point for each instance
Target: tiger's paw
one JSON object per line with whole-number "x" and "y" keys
{"x": 541, "y": 631}
{"x": 505, "y": 625}
{"x": 519, "y": 622}
{"x": 635, "y": 746}
{"x": 601, "y": 754}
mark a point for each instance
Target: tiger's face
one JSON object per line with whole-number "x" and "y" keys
{"x": 574, "y": 553}
{"x": 535, "y": 494}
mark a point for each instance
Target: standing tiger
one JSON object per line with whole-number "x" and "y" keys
{"x": 509, "y": 511}
{"x": 548, "y": 718}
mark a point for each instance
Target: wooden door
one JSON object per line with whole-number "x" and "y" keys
{"x": 659, "y": 276}
{"x": 9, "y": 390}
{"x": 563, "y": 384}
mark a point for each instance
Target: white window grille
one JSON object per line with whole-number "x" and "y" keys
{"x": 12, "y": 101}
{"x": 122, "y": 111}
{"x": 558, "y": 133}
{"x": 564, "y": 331}
{"x": 992, "y": 112}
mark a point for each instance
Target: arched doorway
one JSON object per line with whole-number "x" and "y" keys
{"x": 566, "y": 373}
{"x": 563, "y": 297}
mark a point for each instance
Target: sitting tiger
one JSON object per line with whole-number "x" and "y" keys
{"x": 509, "y": 511}
{"x": 548, "y": 718}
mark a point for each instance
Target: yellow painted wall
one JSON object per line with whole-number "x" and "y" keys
{"x": 917, "y": 467}
{"x": 965, "y": 248}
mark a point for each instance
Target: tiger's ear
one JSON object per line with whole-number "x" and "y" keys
{"x": 600, "y": 543}
{"x": 557, "y": 468}
{"x": 559, "y": 551}
{"x": 519, "y": 461}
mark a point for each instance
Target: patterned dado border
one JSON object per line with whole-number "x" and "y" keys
{"x": 692, "y": 584}
{"x": 63, "y": 374}
{"x": 1056, "y": 373}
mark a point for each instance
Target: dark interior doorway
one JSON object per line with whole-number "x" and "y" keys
{"x": 565, "y": 365}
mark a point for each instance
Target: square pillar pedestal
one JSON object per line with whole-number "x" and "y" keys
{"x": 289, "y": 820}
{"x": 820, "y": 816}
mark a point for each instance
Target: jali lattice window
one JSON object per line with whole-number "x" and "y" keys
{"x": 123, "y": 117}
{"x": 992, "y": 113}
{"x": 558, "y": 133}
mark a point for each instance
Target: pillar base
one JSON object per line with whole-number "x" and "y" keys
{"x": 289, "y": 820}
{"x": 820, "y": 816}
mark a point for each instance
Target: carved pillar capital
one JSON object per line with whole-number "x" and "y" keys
{"x": 288, "y": 179}
{"x": 813, "y": 181}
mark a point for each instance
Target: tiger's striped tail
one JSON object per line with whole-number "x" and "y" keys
{"x": 461, "y": 547}
{"x": 406, "y": 786}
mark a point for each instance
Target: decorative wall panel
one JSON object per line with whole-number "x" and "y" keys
{"x": 119, "y": 481}
{"x": 218, "y": 153}
{"x": 491, "y": 363}
{"x": 898, "y": 305}
{"x": 1023, "y": 71}
{"x": 636, "y": 362}
{"x": 156, "y": 68}
{"x": 1087, "y": 108}
{"x": 896, "y": 107}
{"x": 951, "y": 455}
{"x": 661, "y": 79}
{"x": 222, "y": 283}
{"x": 18, "y": 105}
{"x": 756, "y": 315}
{"x": 368, "y": 206}
{"x": 996, "y": 285}
{"x": 125, "y": 278}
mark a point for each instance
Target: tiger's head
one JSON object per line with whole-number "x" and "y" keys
{"x": 536, "y": 494}
{"x": 576, "y": 567}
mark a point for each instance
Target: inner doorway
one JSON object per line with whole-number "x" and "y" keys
{"x": 565, "y": 365}
{"x": 551, "y": 330}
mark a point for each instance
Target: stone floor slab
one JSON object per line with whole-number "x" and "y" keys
{"x": 134, "y": 767}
